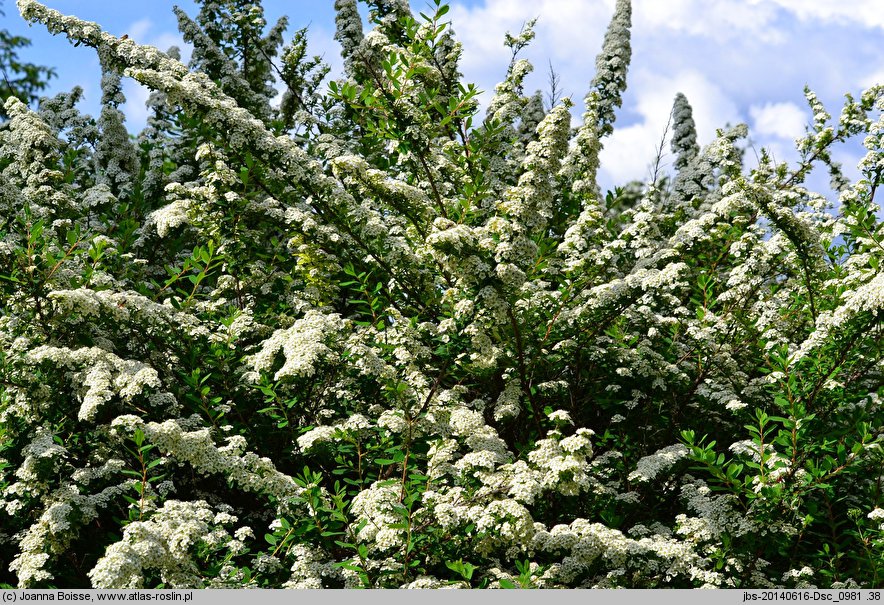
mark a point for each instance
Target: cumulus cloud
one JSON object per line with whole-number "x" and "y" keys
{"x": 869, "y": 80}
{"x": 735, "y": 60}
{"x": 143, "y": 32}
{"x": 783, "y": 120}
{"x": 718, "y": 19}
{"x": 321, "y": 41}
{"x": 568, "y": 34}
{"x": 867, "y": 13}
{"x": 630, "y": 151}
{"x": 135, "y": 106}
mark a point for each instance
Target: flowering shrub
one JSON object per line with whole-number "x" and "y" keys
{"x": 370, "y": 338}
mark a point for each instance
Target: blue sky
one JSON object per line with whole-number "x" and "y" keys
{"x": 736, "y": 60}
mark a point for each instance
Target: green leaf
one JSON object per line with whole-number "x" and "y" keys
{"x": 348, "y": 565}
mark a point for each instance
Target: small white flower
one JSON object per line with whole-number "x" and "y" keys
{"x": 561, "y": 416}
{"x": 650, "y": 466}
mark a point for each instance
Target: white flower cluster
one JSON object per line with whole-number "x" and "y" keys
{"x": 249, "y": 471}
{"x": 877, "y": 514}
{"x": 124, "y": 307}
{"x": 104, "y": 376}
{"x": 303, "y": 345}
{"x": 649, "y": 467}
{"x": 530, "y": 201}
{"x": 563, "y": 462}
{"x": 378, "y": 508}
{"x": 310, "y": 569}
{"x": 164, "y": 544}
{"x": 585, "y": 543}
{"x": 457, "y": 297}
{"x": 54, "y": 530}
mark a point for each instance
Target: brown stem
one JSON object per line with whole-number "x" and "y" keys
{"x": 523, "y": 374}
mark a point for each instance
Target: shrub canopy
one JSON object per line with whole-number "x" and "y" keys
{"x": 371, "y": 337}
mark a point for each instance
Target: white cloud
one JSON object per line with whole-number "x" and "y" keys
{"x": 568, "y": 33}
{"x": 138, "y": 30}
{"x": 717, "y": 19}
{"x": 783, "y": 120}
{"x": 775, "y": 148}
{"x": 135, "y": 106}
{"x": 321, "y": 41}
{"x": 872, "y": 79}
{"x": 720, "y": 53}
{"x": 630, "y": 151}
{"x": 849, "y": 157}
{"x": 735, "y": 18}
{"x": 867, "y": 13}
{"x": 141, "y": 31}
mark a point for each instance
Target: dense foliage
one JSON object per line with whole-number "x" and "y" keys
{"x": 370, "y": 338}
